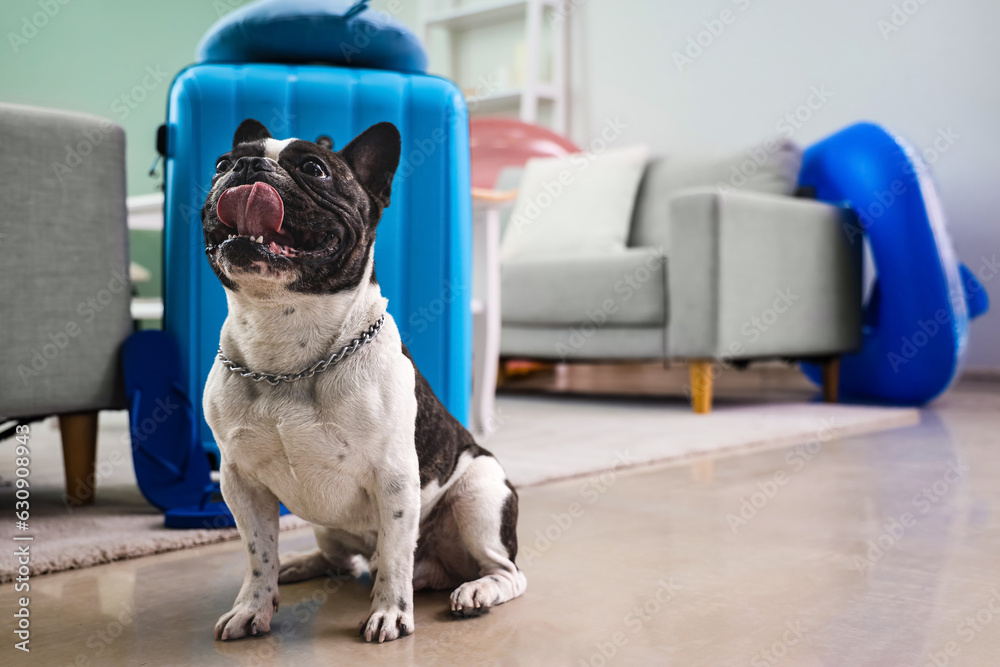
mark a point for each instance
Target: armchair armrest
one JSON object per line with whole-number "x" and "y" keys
{"x": 758, "y": 275}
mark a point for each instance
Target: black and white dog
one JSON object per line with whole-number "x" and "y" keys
{"x": 364, "y": 451}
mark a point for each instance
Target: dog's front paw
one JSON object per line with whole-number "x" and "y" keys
{"x": 246, "y": 619}
{"x": 474, "y": 598}
{"x": 387, "y": 623}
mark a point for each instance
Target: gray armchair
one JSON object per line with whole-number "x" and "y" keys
{"x": 66, "y": 292}
{"x": 712, "y": 273}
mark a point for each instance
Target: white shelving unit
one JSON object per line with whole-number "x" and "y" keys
{"x": 527, "y": 96}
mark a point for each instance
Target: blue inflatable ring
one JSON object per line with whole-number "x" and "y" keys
{"x": 338, "y": 32}
{"x": 916, "y": 319}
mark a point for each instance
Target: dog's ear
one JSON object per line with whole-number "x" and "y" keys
{"x": 250, "y": 130}
{"x": 325, "y": 141}
{"x": 373, "y": 157}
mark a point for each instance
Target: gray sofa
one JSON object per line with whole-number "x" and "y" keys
{"x": 66, "y": 290}
{"x": 712, "y": 273}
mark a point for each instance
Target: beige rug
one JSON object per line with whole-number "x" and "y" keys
{"x": 542, "y": 438}
{"x": 539, "y": 438}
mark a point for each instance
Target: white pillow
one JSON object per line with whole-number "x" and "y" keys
{"x": 575, "y": 203}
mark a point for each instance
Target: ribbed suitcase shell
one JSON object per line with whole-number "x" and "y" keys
{"x": 424, "y": 239}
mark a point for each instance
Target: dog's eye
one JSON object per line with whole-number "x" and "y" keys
{"x": 312, "y": 168}
{"x": 223, "y": 165}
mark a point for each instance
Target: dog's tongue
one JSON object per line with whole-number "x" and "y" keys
{"x": 254, "y": 210}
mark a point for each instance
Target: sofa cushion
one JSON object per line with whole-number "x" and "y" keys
{"x": 772, "y": 167}
{"x": 574, "y": 204}
{"x": 624, "y": 288}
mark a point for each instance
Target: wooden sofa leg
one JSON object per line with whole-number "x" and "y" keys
{"x": 701, "y": 385}
{"x": 79, "y": 442}
{"x": 831, "y": 379}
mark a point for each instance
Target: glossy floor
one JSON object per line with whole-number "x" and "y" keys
{"x": 874, "y": 550}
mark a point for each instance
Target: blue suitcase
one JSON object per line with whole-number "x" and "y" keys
{"x": 423, "y": 245}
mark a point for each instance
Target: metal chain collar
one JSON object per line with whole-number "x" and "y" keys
{"x": 320, "y": 366}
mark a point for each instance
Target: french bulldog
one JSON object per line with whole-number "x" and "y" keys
{"x": 362, "y": 448}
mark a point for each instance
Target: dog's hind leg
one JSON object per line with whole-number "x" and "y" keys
{"x": 485, "y": 508}
{"x": 337, "y": 555}
{"x": 302, "y": 566}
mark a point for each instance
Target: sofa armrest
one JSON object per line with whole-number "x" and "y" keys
{"x": 757, "y": 275}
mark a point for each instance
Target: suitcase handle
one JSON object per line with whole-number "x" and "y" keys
{"x": 161, "y": 140}
{"x": 161, "y": 148}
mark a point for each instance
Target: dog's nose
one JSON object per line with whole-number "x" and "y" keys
{"x": 253, "y": 165}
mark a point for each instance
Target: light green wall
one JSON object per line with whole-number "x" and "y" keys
{"x": 90, "y": 53}
{"x": 97, "y": 56}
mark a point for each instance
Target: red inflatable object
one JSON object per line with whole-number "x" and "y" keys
{"x": 497, "y": 143}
